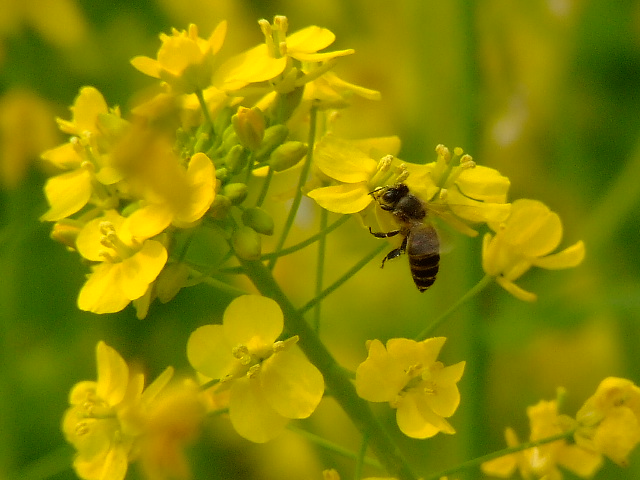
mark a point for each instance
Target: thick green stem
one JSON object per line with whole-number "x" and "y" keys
{"x": 337, "y": 382}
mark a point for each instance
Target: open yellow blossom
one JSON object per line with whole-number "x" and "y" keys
{"x": 355, "y": 168}
{"x": 270, "y": 59}
{"x": 408, "y": 376}
{"x": 609, "y": 421}
{"x": 543, "y": 461}
{"x": 270, "y": 381}
{"x": 459, "y": 191}
{"x": 107, "y": 416}
{"x": 94, "y": 127}
{"x": 184, "y": 61}
{"x": 128, "y": 265}
{"x": 526, "y": 239}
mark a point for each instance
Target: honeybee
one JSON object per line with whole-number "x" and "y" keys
{"x": 420, "y": 242}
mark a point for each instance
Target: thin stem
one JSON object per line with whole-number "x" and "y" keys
{"x": 500, "y": 453}
{"x": 477, "y": 288}
{"x": 350, "y": 273}
{"x": 265, "y": 188}
{"x": 337, "y": 382}
{"x": 333, "y": 447}
{"x": 322, "y": 249}
{"x": 204, "y": 108}
{"x": 304, "y": 173}
{"x": 294, "y": 248}
{"x": 357, "y": 474}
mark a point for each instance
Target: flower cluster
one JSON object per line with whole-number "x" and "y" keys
{"x": 115, "y": 420}
{"x": 608, "y": 424}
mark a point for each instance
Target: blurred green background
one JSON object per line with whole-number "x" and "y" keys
{"x": 547, "y": 92}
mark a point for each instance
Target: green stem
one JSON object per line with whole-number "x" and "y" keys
{"x": 332, "y": 447}
{"x": 204, "y": 108}
{"x": 350, "y": 273}
{"x": 322, "y": 248}
{"x": 337, "y": 382}
{"x": 477, "y": 288}
{"x": 265, "y": 188}
{"x": 500, "y": 453}
{"x": 304, "y": 173}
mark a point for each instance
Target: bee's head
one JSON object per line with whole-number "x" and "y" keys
{"x": 390, "y": 195}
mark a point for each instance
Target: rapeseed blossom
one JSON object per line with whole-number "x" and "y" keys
{"x": 408, "y": 376}
{"x": 609, "y": 421}
{"x": 126, "y": 267}
{"x": 524, "y": 240}
{"x": 107, "y": 417}
{"x": 184, "y": 61}
{"x": 543, "y": 461}
{"x": 270, "y": 382}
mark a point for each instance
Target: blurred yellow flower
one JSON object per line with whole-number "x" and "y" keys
{"x": 184, "y": 61}
{"x": 526, "y": 239}
{"x": 543, "y": 461}
{"x": 270, "y": 381}
{"x": 25, "y": 131}
{"x": 352, "y": 168}
{"x": 94, "y": 127}
{"x": 408, "y": 376}
{"x": 609, "y": 421}
{"x": 128, "y": 264}
{"x": 108, "y": 415}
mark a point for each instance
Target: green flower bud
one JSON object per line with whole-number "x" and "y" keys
{"x": 246, "y": 243}
{"x": 222, "y": 121}
{"x": 259, "y": 220}
{"x": 171, "y": 280}
{"x": 287, "y": 155}
{"x": 220, "y": 207}
{"x": 236, "y": 192}
{"x": 273, "y": 136}
{"x": 236, "y": 159}
{"x": 249, "y": 125}
{"x": 229, "y": 138}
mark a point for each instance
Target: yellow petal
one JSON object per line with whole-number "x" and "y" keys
{"x": 484, "y": 184}
{"x": 89, "y": 242}
{"x": 86, "y": 108}
{"x": 252, "y": 318}
{"x": 250, "y": 415}
{"x": 63, "y": 156}
{"x": 148, "y": 66}
{"x": 217, "y": 37}
{"x": 569, "y": 257}
{"x": 515, "y": 290}
{"x": 415, "y": 418}
{"x": 67, "y": 194}
{"x": 310, "y": 39}
{"x": 346, "y": 198}
{"x": 113, "y": 374}
{"x": 252, "y": 66}
{"x": 343, "y": 161}
{"x": 102, "y": 293}
{"x": 209, "y": 352}
{"x": 139, "y": 270}
{"x": 380, "y": 377}
{"x": 147, "y": 221}
{"x": 320, "y": 57}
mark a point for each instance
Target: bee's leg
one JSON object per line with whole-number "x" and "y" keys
{"x": 396, "y": 252}
{"x": 392, "y": 233}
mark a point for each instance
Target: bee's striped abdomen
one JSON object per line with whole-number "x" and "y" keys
{"x": 423, "y": 248}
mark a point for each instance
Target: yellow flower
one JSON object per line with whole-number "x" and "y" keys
{"x": 270, "y": 381}
{"x": 94, "y": 127}
{"x": 526, "y": 239}
{"x": 460, "y": 191}
{"x": 352, "y": 167}
{"x": 543, "y": 461}
{"x": 128, "y": 265}
{"x": 270, "y": 59}
{"x": 107, "y": 416}
{"x": 184, "y": 61}
{"x": 609, "y": 421}
{"x": 407, "y": 375}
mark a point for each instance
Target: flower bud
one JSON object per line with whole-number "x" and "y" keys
{"x": 273, "y": 136}
{"x": 236, "y": 192}
{"x": 249, "y": 126}
{"x": 236, "y": 159}
{"x": 246, "y": 243}
{"x": 172, "y": 278}
{"x": 220, "y": 207}
{"x": 259, "y": 220}
{"x": 66, "y": 231}
{"x": 287, "y": 155}
{"x": 229, "y": 138}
